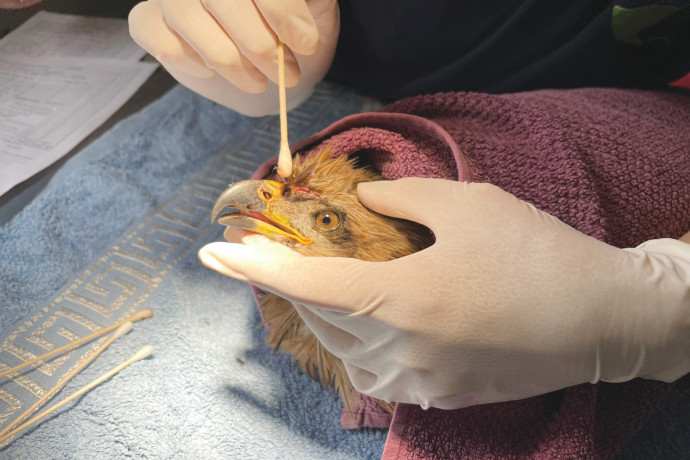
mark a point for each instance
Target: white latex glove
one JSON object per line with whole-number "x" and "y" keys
{"x": 508, "y": 303}
{"x": 16, "y": 4}
{"x": 227, "y": 50}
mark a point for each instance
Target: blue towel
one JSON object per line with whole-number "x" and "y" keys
{"x": 117, "y": 230}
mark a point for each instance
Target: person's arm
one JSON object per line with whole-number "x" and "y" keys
{"x": 508, "y": 303}
{"x": 227, "y": 51}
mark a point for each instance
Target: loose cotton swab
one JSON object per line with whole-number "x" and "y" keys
{"x": 141, "y": 354}
{"x": 284, "y": 156}
{"x": 143, "y": 314}
{"x": 122, "y": 330}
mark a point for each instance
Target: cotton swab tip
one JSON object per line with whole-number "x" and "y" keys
{"x": 123, "y": 329}
{"x": 142, "y": 314}
{"x": 144, "y": 352}
{"x": 284, "y": 160}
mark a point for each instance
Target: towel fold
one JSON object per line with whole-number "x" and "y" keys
{"x": 614, "y": 164}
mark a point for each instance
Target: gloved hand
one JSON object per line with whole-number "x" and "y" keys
{"x": 16, "y": 4}
{"x": 227, "y": 51}
{"x": 508, "y": 303}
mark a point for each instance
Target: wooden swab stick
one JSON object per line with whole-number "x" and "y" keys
{"x": 142, "y": 314}
{"x": 122, "y": 330}
{"x": 284, "y": 156}
{"x": 141, "y": 354}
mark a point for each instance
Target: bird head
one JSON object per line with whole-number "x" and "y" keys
{"x": 316, "y": 212}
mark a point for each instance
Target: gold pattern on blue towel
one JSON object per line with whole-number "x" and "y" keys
{"x": 114, "y": 286}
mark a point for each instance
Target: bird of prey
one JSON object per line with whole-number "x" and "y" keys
{"x": 316, "y": 212}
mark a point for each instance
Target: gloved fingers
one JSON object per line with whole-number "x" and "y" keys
{"x": 391, "y": 386}
{"x": 338, "y": 341}
{"x": 258, "y": 241}
{"x": 244, "y": 23}
{"x": 241, "y": 236}
{"x": 293, "y": 23}
{"x": 199, "y": 29}
{"x": 363, "y": 380}
{"x": 149, "y": 29}
{"x": 346, "y": 346}
{"x": 344, "y": 321}
{"x": 219, "y": 90}
{"x": 436, "y": 203}
{"x": 245, "y": 248}
{"x": 295, "y": 277}
{"x": 416, "y": 199}
{"x": 238, "y": 79}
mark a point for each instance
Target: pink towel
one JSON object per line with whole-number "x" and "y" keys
{"x": 615, "y": 164}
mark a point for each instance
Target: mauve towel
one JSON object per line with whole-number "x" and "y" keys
{"x": 615, "y": 164}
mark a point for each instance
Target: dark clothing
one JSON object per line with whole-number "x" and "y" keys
{"x": 396, "y": 49}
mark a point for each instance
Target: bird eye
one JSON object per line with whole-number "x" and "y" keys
{"x": 327, "y": 220}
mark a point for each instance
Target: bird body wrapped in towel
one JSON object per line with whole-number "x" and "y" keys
{"x": 316, "y": 212}
{"x": 611, "y": 163}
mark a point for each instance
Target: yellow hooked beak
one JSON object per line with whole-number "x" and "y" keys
{"x": 253, "y": 199}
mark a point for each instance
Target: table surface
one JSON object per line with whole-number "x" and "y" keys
{"x": 158, "y": 84}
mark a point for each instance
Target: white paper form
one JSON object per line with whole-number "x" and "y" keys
{"x": 66, "y": 35}
{"x": 47, "y": 110}
{"x": 51, "y": 100}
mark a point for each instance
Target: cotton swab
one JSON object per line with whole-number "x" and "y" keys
{"x": 284, "y": 156}
{"x": 142, "y": 314}
{"x": 122, "y": 330}
{"x": 141, "y": 354}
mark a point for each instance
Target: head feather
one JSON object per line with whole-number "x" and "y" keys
{"x": 325, "y": 173}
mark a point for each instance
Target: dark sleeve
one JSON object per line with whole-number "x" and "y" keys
{"x": 401, "y": 48}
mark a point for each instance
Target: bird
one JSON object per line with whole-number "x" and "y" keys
{"x": 316, "y": 212}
